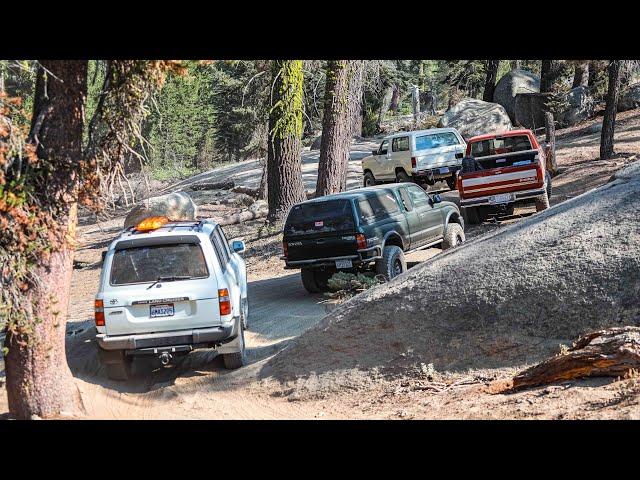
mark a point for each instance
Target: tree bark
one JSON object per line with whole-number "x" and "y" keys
{"x": 550, "y": 72}
{"x": 581, "y": 75}
{"x": 490, "y": 80}
{"x": 515, "y": 64}
{"x": 38, "y": 378}
{"x": 609, "y": 120}
{"x": 550, "y": 154}
{"x": 395, "y": 99}
{"x": 606, "y": 353}
{"x": 336, "y": 128}
{"x": 284, "y": 165}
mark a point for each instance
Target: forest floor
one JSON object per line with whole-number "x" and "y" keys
{"x": 198, "y": 386}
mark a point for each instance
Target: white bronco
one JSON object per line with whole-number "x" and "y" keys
{"x": 422, "y": 156}
{"x": 167, "y": 288}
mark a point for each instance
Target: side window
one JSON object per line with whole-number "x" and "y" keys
{"x": 400, "y": 144}
{"x": 378, "y": 206}
{"x": 449, "y": 138}
{"x": 406, "y": 199}
{"x": 383, "y": 148}
{"x": 365, "y": 211}
{"x": 225, "y": 242}
{"x": 418, "y": 196}
{"x": 426, "y": 142}
{"x": 219, "y": 248}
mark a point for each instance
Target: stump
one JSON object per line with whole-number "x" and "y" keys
{"x": 614, "y": 352}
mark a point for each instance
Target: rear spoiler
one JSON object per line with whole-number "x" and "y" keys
{"x": 156, "y": 241}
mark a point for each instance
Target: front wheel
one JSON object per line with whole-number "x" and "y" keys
{"x": 453, "y": 236}
{"x": 392, "y": 262}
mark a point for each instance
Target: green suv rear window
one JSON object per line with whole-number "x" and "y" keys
{"x": 320, "y": 217}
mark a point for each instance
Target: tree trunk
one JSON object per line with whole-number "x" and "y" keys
{"x": 606, "y": 353}
{"x": 395, "y": 99}
{"x": 581, "y": 75}
{"x": 609, "y": 120}
{"x": 284, "y": 166}
{"x": 490, "y": 80}
{"x": 515, "y": 64}
{"x": 38, "y": 378}
{"x": 336, "y": 129}
{"x": 550, "y": 132}
{"x": 550, "y": 72}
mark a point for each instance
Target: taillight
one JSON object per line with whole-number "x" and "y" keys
{"x": 285, "y": 249}
{"x": 225, "y": 301}
{"x": 99, "y": 313}
{"x": 414, "y": 163}
{"x": 362, "y": 241}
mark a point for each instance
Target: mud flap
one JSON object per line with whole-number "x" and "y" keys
{"x": 234, "y": 346}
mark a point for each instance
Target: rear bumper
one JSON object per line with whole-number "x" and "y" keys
{"x": 435, "y": 173}
{"x": 166, "y": 339}
{"x": 364, "y": 256}
{"x": 485, "y": 200}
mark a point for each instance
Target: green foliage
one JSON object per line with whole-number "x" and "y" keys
{"x": 287, "y": 110}
{"x": 349, "y": 283}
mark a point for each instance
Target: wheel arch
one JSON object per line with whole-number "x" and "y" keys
{"x": 393, "y": 238}
{"x": 455, "y": 217}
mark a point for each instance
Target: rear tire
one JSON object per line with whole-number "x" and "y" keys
{"x": 453, "y": 236}
{"x": 402, "y": 176}
{"x": 392, "y": 262}
{"x": 369, "y": 180}
{"x": 233, "y": 361}
{"x": 315, "y": 281}
{"x": 542, "y": 202}
{"x": 117, "y": 364}
{"x": 451, "y": 183}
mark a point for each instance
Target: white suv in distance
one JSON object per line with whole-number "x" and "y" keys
{"x": 422, "y": 156}
{"x": 167, "y": 288}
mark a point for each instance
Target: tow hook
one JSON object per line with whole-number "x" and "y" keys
{"x": 165, "y": 358}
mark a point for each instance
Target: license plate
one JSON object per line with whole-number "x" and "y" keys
{"x": 444, "y": 170}
{"x": 502, "y": 198}
{"x": 161, "y": 310}
{"x": 344, "y": 264}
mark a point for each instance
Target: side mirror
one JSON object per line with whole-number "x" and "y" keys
{"x": 436, "y": 198}
{"x": 375, "y": 152}
{"x": 238, "y": 246}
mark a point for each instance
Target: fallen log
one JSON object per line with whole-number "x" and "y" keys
{"x": 243, "y": 216}
{"x": 613, "y": 352}
{"x": 253, "y": 192}
{"x": 227, "y": 185}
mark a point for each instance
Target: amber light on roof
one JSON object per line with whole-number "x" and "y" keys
{"x": 151, "y": 223}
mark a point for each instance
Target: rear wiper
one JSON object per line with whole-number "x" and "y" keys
{"x": 169, "y": 279}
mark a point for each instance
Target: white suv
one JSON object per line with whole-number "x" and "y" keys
{"x": 422, "y": 156}
{"x": 167, "y": 288}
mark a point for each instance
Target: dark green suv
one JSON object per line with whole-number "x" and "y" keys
{"x": 374, "y": 226}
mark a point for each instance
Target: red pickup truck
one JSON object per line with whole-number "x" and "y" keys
{"x": 500, "y": 170}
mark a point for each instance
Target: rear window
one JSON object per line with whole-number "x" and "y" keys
{"x": 436, "y": 140}
{"x": 378, "y": 206}
{"x": 499, "y": 146}
{"x": 147, "y": 264}
{"x": 317, "y": 217}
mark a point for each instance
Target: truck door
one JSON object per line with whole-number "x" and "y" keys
{"x": 413, "y": 220}
{"x": 401, "y": 155}
{"x": 429, "y": 217}
{"x": 383, "y": 159}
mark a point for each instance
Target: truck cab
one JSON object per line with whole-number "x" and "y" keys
{"x": 502, "y": 170}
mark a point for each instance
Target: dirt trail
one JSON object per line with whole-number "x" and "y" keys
{"x": 199, "y": 386}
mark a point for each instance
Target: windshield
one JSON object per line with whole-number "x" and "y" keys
{"x": 147, "y": 264}
{"x": 500, "y": 146}
{"x": 320, "y": 217}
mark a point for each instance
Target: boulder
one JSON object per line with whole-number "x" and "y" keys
{"x": 474, "y": 117}
{"x": 512, "y": 83}
{"x": 529, "y": 110}
{"x": 629, "y": 98}
{"x": 581, "y": 107}
{"x": 175, "y": 206}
